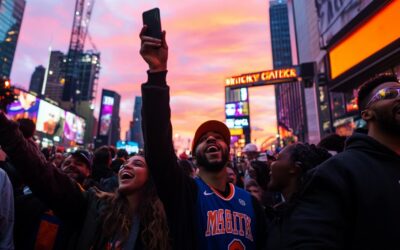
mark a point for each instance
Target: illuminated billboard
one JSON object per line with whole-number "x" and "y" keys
{"x": 237, "y": 109}
{"x": 263, "y": 78}
{"x": 50, "y": 119}
{"x": 74, "y": 127}
{"x": 129, "y": 146}
{"x": 26, "y": 106}
{"x": 374, "y": 35}
{"x": 237, "y": 122}
{"x": 107, "y": 103}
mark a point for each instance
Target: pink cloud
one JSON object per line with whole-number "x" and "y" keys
{"x": 209, "y": 41}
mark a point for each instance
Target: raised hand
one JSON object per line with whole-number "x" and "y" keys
{"x": 154, "y": 51}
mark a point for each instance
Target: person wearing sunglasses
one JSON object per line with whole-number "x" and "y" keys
{"x": 352, "y": 200}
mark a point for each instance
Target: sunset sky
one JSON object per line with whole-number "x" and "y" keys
{"x": 208, "y": 41}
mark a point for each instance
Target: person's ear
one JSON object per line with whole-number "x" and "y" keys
{"x": 367, "y": 114}
{"x": 297, "y": 167}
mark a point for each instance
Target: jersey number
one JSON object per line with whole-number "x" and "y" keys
{"x": 236, "y": 245}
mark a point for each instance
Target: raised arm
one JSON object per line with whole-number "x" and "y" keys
{"x": 157, "y": 129}
{"x": 54, "y": 188}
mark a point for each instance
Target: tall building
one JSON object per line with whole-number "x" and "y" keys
{"x": 11, "y": 13}
{"x": 136, "y": 131}
{"x": 37, "y": 79}
{"x": 109, "y": 130}
{"x": 89, "y": 69}
{"x": 291, "y": 113}
{"x": 307, "y": 37}
{"x": 55, "y": 78}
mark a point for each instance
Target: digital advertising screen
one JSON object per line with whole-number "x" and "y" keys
{"x": 237, "y": 109}
{"x": 129, "y": 146}
{"x": 74, "y": 127}
{"x": 50, "y": 119}
{"x": 237, "y": 122}
{"x": 107, "y": 103}
{"x": 26, "y": 106}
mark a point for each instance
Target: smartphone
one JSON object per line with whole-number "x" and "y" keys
{"x": 152, "y": 19}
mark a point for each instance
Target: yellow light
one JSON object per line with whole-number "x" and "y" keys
{"x": 7, "y": 84}
{"x": 269, "y": 75}
{"x": 378, "y": 32}
{"x": 236, "y": 131}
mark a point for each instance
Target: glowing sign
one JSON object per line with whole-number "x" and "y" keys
{"x": 237, "y": 109}
{"x": 237, "y": 123}
{"x": 262, "y": 77}
{"x": 106, "y": 114}
{"x": 236, "y": 131}
{"x": 129, "y": 146}
{"x": 374, "y": 35}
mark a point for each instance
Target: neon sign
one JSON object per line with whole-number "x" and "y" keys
{"x": 237, "y": 123}
{"x": 237, "y": 109}
{"x": 262, "y": 77}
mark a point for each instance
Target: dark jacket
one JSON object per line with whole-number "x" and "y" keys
{"x": 76, "y": 208}
{"x": 176, "y": 190}
{"x": 352, "y": 200}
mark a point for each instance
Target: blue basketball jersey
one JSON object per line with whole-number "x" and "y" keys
{"x": 225, "y": 223}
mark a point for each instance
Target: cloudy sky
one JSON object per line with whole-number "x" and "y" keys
{"x": 209, "y": 40}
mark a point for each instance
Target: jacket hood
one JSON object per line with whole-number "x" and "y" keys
{"x": 363, "y": 142}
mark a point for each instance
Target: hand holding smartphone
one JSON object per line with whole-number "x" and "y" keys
{"x": 152, "y": 20}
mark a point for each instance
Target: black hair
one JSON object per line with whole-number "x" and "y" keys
{"x": 365, "y": 91}
{"x": 333, "y": 142}
{"x": 122, "y": 153}
{"x": 27, "y": 127}
{"x": 308, "y": 155}
{"x": 102, "y": 155}
{"x": 46, "y": 152}
{"x": 239, "y": 181}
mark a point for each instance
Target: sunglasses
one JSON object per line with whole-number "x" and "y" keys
{"x": 384, "y": 94}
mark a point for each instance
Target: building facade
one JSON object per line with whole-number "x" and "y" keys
{"x": 136, "y": 130}
{"x": 11, "y": 14}
{"x": 307, "y": 37}
{"x": 290, "y": 108}
{"x": 362, "y": 39}
{"x": 55, "y": 76}
{"x": 109, "y": 130}
{"x": 37, "y": 79}
{"x": 88, "y": 76}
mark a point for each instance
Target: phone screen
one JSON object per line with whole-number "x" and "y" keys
{"x": 152, "y": 19}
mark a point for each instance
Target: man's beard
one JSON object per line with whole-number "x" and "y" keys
{"x": 214, "y": 167}
{"x": 387, "y": 123}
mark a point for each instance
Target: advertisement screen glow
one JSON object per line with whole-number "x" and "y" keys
{"x": 74, "y": 127}
{"x": 50, "y": 119}
{"x": 378, "y": 32}
{"x": 26, "y": 106}
{"x": 106, "y": 114}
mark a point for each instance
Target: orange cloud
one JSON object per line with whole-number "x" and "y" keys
{"x": 208, "y": 40}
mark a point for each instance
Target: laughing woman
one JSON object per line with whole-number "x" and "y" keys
{"x": 130, "y": 218}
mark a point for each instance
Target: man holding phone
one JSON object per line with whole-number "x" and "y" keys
{"x": 206, "y": 212}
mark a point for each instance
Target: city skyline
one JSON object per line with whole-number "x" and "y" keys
{"x": 234, "y": 38}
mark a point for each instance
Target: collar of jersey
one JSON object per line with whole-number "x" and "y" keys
{"x": 229, "y": 197}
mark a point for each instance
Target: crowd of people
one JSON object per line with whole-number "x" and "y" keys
{"x": 339, "y": 194}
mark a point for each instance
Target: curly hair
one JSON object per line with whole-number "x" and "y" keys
{"x": 117, "y": 220}
{"x": 308, "y": 155}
